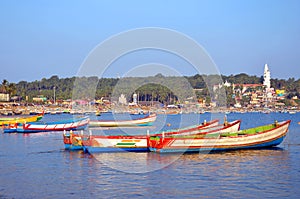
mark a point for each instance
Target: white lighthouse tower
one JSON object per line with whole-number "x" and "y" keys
{"x": 267, "y": 77}
{"x": 267, "y": 83}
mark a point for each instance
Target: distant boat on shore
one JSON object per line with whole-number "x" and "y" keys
{"x": 14, "y": 120}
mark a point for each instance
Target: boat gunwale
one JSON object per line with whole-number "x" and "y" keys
{"x": 210, "y": 130}
{"x": 220, "y": 137}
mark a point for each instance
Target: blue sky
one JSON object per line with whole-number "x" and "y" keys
{"x": 42, "y": 38}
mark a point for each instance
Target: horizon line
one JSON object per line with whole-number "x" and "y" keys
{"x": 164, "y": 75}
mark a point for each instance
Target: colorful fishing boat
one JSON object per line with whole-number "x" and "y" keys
{"x": 73, "y": 141}
{"x": 98, "y": 144}
{"x": 34, "y": 127}
{"x": 258, "y": 137}
{"x": 145, "y": 121}
{"x": 14, "y": 120}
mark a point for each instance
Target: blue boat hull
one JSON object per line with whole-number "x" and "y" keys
{"x": 72, "y": 147}
{"x": 113, "y": 149}
{"x": 196, "y": 150}
{"x": 9, "y": 130}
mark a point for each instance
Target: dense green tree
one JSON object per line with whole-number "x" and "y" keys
{"x": 9, "y": 88}
{"x": 157, "y": 88}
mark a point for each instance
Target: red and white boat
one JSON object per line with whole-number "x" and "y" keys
{"x": 35, "y": 127}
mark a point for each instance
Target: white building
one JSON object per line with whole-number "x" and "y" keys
{"x": 4, "y": 97}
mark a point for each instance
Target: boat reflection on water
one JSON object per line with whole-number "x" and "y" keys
{"x": 74, "y": 155}
{"x": 239, "y": 157}
{"x": 129, "y": 162}
{"x": 232, "y": 161}
{"x": 240, "y": 164}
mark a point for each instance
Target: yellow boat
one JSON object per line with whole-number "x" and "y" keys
{"x": 33, "y": 118}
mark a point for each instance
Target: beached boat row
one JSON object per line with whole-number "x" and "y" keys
{"x": 204, "y": 137}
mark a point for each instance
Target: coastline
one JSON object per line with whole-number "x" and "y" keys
{"x": 12, "y": 110}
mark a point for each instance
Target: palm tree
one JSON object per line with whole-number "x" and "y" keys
{"x": 4, "y": 86}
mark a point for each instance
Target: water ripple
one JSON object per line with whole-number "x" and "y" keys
{"x": 40, "y": 162}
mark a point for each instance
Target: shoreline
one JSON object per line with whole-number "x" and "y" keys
{"x": 13, "y": 111}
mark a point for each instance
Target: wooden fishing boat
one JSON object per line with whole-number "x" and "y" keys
{"x": 145, "y": 121}
{"x": 34, "y": 127}
{"x": 137, "y": 143}
{"x": 13, "y": 120}
{"x": 258, "y": 137}
{"x": 73, "y": 141}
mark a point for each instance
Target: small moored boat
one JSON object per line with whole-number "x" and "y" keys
{"x": 145, "y": 121}
{"x": 34, "y": 127}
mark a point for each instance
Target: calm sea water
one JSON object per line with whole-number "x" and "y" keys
{"x": 37, "y": 166}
